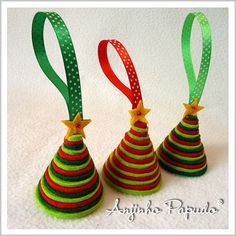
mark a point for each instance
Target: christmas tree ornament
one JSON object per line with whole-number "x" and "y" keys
{"x": 182, "y": 151}
{"x": 133, "y": 166}
{"x": 70, "y": 186}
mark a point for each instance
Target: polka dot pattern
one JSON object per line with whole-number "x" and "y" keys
{"x": 131, "y": 72}
{"x": 197, "y": 86}
{"x": 205, "y": 61}
{"x": 135, "y": 90}
{"x": 70, "y": 63}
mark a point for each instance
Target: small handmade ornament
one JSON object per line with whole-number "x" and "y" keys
{"x": 133, "y": 166}
{"x": 70, "y": 186}
{"x": 182, "y": 151}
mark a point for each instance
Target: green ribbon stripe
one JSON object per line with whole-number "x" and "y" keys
{"x": 131, "y": 191}
{"x": 51, "y": 195}
{"x": 194, "y": 174}
{"x": 75, "y": 137}
{"x": 70, "y": 167}
{"x": 188, "y": 126}
{"x": 189, "y": 161}
{"x": 137, "y": 147}
{"x": 140, "y": 130}
{"x": 72, "y": 152}
{"x": 191, "y": 117}
{"x": 72, "y": 162}
{"x": 73, "y": 178}
{"x": 182, "y": 157}
{"x": 196, "y": 86}
{"x": 137, "y": 137}
{"x": 183, "y": 148}
{"x": 131, "y": 182}
{"x": 180, "y": 168}
{"x": 190, "y": 148}
{"x": 189, "y": 139}
{"x": 130, "y": 173}
{"x": 132, "y": 165}
{"x": 69, "y": 183}
{"x": 72, "y": 91}
{"x": 71, "y": 195}
{"x": 68, "y": 213}
{"x": 134, "y": 156}
{"x": 74, "y": 147}
{"x": 186, "y": 135}
{"x": 188, "y": 129}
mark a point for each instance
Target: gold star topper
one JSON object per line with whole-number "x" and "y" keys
{"x": 193, "y": 108}
{"x": 76, "y": 126}
{"x": 138, "y": 113}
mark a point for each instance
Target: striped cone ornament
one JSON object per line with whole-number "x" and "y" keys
{"x": 70, "y": 186}
{"x": 182, "y": 151}
{"x": 133, "y": 167}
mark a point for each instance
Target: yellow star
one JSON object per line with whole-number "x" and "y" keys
{"x": 193, "y": 108}
{"x": 138, "y": 113}
{"x": 76, "y": 126}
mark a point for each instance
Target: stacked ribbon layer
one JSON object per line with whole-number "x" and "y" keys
{"x": 133, "y": 166}
{"x": 70, "y": 187}
{"x": 182, "y": 151}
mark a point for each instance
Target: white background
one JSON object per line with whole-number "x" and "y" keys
{"x": 153, "y": 40}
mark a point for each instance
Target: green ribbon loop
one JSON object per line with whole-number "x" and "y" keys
{"x": 196, "y": 86}
{"x": 72, "y": 92}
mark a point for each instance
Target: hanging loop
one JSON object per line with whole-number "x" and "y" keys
{"x": 72, "y": 91}
{"x": 134, "y": 92}
{"x": 196, "y": 86}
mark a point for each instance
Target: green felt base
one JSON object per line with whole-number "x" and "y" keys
{"x": 63, "y": 215}
{"x": 189, "y": 174}
{"x": 130, "y": 191}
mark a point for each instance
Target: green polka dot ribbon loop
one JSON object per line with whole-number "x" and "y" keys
{"x": 72, "y": 91}
{"x": 70, "y": 187}
{"x": 196, "y": 86}
{"x": 182, "y": 151}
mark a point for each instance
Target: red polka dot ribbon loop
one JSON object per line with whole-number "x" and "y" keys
{"x": 131, "y": 168}
{"x": 133, "y": 93}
